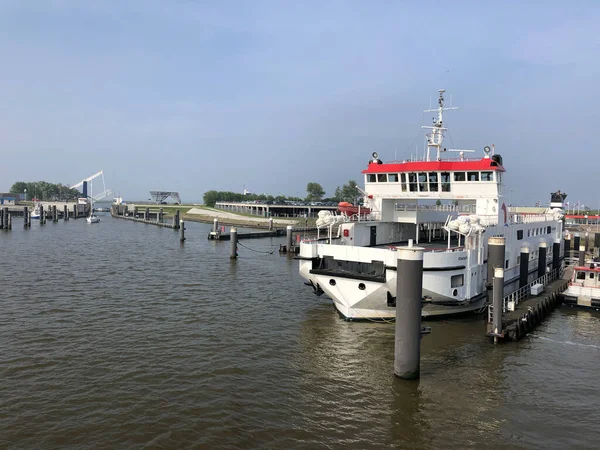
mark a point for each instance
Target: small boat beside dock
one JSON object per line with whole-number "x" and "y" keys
{"x": 584, "y": 287}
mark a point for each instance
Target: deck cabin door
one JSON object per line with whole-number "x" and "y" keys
{"x": 373, "y": 241}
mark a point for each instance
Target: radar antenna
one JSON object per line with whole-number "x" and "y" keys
{"x": 436, "y": 137}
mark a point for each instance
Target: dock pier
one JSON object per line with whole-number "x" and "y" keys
{"x": 150, "y": 218}
{"x": 523, "y": 310}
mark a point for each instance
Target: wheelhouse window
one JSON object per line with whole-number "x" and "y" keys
{"x": 422, "y": 182}
{"x": 473, "y": 176}
{"x": 445, "y": 179}
{"x": 382, "y": 177}
{"x": 549, "y": 230}
{"x": 433, "y": 184}
{"x": 519, "y": 235}
{"x": 457, "y": 280}
{"x": 581, "y": 275}
{"x": 403, "y": 181}
{"x": 371, "y": 178}
{"x": 459, "y": 176}
{"x": 487, "y": 176}
{"x": 393, "y": 177}
{"x": 412, "y": 182}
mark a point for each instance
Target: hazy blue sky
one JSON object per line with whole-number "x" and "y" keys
{"x": 193, "y": 95}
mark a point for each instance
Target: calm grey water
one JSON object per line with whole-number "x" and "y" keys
{"x": 116, "y": 336}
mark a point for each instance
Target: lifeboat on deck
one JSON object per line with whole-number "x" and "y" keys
{"x": 351, "y": 210}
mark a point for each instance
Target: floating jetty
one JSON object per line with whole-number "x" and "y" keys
{"x": 218, "y": 236}
{"x": 522, "y": 317}
{"x": 147, "y": 217}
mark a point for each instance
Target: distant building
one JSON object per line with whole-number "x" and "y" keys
{"x": 8, "y": 198}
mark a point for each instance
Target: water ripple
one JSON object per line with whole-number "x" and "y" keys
{"x": 117, "y": 336}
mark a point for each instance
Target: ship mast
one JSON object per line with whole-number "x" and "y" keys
{"x": 436, "y": 137}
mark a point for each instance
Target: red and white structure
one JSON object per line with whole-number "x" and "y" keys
{"x": 584, "y": 287}
{"x": 447, "y": 205}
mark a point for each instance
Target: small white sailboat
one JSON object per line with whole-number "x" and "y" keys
{"x": 92, "y": 218}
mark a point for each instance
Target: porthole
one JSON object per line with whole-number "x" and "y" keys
{"x": 362, "y": 286}
{"x": 332, "y": 282}
{"x": 455, "y": 292}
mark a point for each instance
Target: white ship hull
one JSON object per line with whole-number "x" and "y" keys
{"x": 453, "y": 280}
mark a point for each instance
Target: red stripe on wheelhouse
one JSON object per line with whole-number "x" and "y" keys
{"x": 435, "y": 166}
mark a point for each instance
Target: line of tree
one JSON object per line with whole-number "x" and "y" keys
{"x": 315, "y": 193}
{"x": 212, "y": 197}
{"x": 45, "y": 191}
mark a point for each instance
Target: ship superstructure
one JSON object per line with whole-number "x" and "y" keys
{"x": 450, "y": 206}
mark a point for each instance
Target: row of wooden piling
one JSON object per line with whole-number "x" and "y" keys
{"x": 122, "y": 212}
{"x": 7, "y": 215}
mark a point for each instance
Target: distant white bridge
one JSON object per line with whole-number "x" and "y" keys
{"x": 105, "y": 193}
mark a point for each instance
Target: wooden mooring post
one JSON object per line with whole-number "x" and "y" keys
{"x": 181, "y": 231}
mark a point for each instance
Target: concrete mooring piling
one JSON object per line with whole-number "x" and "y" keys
{"x": 270, "y": 223}
{"x": 556, "y": 254}
{"x": 5, "y": 218}
{"x": 74, "y": 211}
{"x": 147, "y": 214}
{"x": 181, "y": 231}
{"x": 543, "y": 249}
{"x": 288, "y": 240}
{"x": 586, "y": 241}
{"x": 496, "y": 255}
{"x": 54, "y": 215}
{"x": 159, "y": 216}
{"x": 42, "y": 214}
{"x": 582, "y": 255}
{"x": 524, "y": 267}
{"x": 233, "y": 239}
{"x": 409, "y": 298}
{"x": 26, "y": 216}
{"x": 9, "y": 221}
{"x": 66, "y": 213}
{"x": 498, "y": 298}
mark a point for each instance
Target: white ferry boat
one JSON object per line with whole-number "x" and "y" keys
{"x": 584, "y": 287}
{"x": 448, "y": 206}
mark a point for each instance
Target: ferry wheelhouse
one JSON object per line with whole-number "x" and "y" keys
{"x": 584, "y": 287}
{"x": 449, "y": 206}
